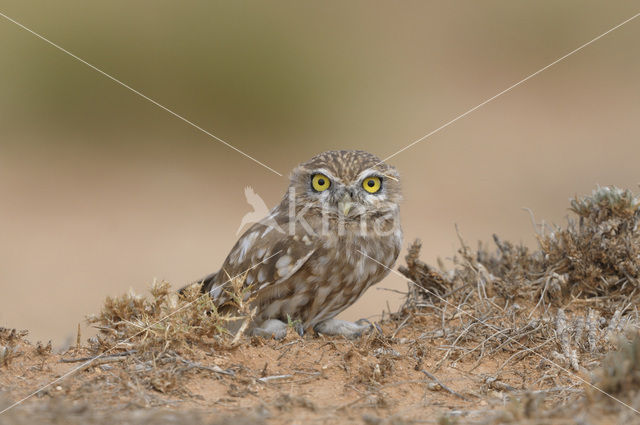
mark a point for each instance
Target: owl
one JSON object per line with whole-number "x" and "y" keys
{"x": 335, "y": 233}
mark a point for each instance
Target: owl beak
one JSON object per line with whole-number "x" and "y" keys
{"x": 345, "y": 204}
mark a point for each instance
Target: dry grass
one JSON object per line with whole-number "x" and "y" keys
{"x": 563, "y": 306}
{"x": 158, "y": 342}
{"x": 164, "y": 322}
{"x": 566, "y": 301}
{"x": 10, "y": 342}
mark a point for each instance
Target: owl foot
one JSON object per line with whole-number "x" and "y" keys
{"x": 350, "y": 330}
{"x": 271, "y": 328}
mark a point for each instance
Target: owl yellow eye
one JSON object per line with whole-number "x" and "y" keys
{"x": 320, "y": 182}
{"x": 371, "y": 184}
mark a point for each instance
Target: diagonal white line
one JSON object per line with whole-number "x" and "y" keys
{"x": 508, "y": 337}
{"x": 175, "y": 114}
{"x": 130, "y": 338}
{"x": 510, "y": 87}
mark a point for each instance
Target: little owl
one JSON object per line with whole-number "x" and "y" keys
{"x": 335, "y": 233}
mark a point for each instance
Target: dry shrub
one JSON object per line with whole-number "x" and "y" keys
{"x": 565, "y": 301}
{"x": 10, "y": 342}
{"x": 601, "y": 252}
{"x": 152, "y": 345}
{"x": 431, "y": 282}
{"x": 165, "y": 321}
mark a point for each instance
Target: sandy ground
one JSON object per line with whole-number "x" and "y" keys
{"x": 299, "y": 380}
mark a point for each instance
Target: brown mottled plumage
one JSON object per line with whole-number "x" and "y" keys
{"x": 311, "y": 260}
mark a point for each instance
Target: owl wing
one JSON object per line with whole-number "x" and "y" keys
{"x": 265, "y": 257}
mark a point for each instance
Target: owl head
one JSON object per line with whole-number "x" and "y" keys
{"x": 351, "y": 185}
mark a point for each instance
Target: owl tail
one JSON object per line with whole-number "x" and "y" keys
{"x": 206, "y": 283}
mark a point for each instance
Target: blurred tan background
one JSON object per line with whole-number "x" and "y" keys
{"x": 102, "y": 191}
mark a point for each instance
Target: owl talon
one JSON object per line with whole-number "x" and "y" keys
{"x": 363, "y": 322}
{"x": 375, "y": 326}
{"x": 372, "y": 326}
{"x": 350, "y": 330}
{"x": 271, "y": 328}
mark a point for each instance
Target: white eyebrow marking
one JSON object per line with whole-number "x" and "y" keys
{"x": 373, "y": 172}
{"x": 367, "y": 173}
{"x": 326, "y": 173}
